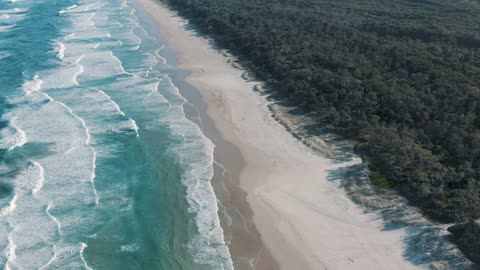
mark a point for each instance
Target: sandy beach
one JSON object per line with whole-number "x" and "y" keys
{"x": 297, "y": 218}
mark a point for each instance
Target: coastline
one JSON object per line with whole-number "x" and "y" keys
{"x": 279, "y": 186}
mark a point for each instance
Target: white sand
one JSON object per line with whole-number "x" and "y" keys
{"x": 305, "y": 220}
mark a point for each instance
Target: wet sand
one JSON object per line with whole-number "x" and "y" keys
{"x": 285, "y": 212}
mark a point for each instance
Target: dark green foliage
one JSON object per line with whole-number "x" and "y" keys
{"x": 466, "y": 238}
{"x": 400, "y": 76}
{"x": 380, "y": 181}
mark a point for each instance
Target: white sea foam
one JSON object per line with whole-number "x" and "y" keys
{"x": 10, "y": 252}
{"x": 93, "y": 6}
{"x": 60, "y": 50}
{"x": 91, "y": 52}
{"x": 84, "y": 27}
{"x": 14, "y": 10}
{"x": 32, "y": 85}
{"x": 154, "y": 89}
{"x": 38, "y": 183}
{"x": 102, "y": 64}
{"x": 67, "y": 9}
{"x": 54, "y": 219}
{"x": 70, "y": 36}
{"x": 133, "y": 125}
{"x": 21, "y": 138}
{"x": 59, "y": 77}
{"x": 87, "y": 143}
{"x": 91, "y": 23}
{"x": 12, "y": 204}
{"x": 209, "y": 243}
{"x": 13, "y": 18}
{"x": 209, "y": 246}
{"x": 115, "y": 105}
{"x": 137, "y": 38}
{"x": 6, "y": 28}
{"x": 82, "y": 248}
{"x": 24, "y": 212}
{"x": 157, "y": 53}
{"x": 53, "y": 258}
{"x": 35, "y": 85}
{"x": 12, "y": 136}
{"x": 146, "y": 93}
{"x": 81, "y": 69}
{"x": 130, "y": 123}
{"x": 92, "y": 175}
{"x": 120, "y": 66}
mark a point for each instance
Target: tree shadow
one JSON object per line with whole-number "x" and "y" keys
{"x": 426, "y": 243}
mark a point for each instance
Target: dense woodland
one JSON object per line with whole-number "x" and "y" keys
{"x": 402, "y": 77}
{"x": 465, "y": 235}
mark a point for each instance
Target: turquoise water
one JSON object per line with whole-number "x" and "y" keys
{"x": 100, "y": 168}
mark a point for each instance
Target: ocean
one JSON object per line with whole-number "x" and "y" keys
{"x": 99, "y": 166}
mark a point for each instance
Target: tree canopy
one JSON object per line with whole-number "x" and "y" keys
{"x": 402, "y": 77}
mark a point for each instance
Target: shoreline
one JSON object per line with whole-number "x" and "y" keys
{"x": 241, "y": 233}
{"x": 279, "y": 185}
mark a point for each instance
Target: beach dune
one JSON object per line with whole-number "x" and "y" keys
{"x": 305, "y": 220}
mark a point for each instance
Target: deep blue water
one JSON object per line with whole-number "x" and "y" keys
{"x": 99, "y": 167}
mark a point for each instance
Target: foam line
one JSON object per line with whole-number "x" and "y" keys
{"x": 80, "y": 69}
{"x": 90, "y": 6}
{"x": 120, "y": 64}
{"x": 14, "y": 10}
{"x": 68, "y": 8}
{"x": 91, "y": 23}
{"x": 11, "y": 247}
{"x": 60, "y": 50}
{"x": 82, "y": 247}
{"x": 87, "y": 143}
{"x": 55, "y": 220}
{"x": 70, "y": 36}
{"x": 12, "y": 204}
{"x": 6, "y": 28}
{"x": 51, "y": 259}
{"x": 41, "y": 178}
{"x": 155, "y": 88}
{"x": 117, "y": 108}
{"x": 138, "y": 38}
{"x": 36, "y": 87}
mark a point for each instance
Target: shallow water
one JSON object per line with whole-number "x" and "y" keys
{"x": 100, "y": 168}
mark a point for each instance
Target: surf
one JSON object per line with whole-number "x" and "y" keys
{"x": 98, "y": 131}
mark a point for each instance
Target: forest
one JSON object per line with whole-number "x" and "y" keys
{"x": 400, "y": 77}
